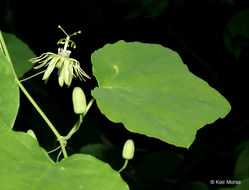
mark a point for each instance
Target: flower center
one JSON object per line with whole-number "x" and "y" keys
{"x": 64, "y": 53}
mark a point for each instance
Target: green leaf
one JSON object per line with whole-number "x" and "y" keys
{"x": 112, "y": 156}
{"x": 243, "y": 186}
{"x": 98, "y": 150}
{"x": 147, "y": 8}
{"x": 230, "y": 2}
{"x": 20, "y": 53}
{"x": 158, "y": 165}
{"x": 149, "y": 89}
{"x": 9, "y": 95}
{"x": 25, "y": 165}
{"x": 195, "y": 185}
{"x": 236, "y": 35}
{"x": 241, "y": 170}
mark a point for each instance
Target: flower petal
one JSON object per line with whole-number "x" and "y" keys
{"x": 68, "y": 74}
{"x": 48, "y": 71}
{"x": 61, "y": 80}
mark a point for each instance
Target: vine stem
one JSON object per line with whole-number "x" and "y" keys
{"x": 51, "y": 126}
{"x": 80, "y": 120}
{"x": 22, "y": 80}
{"x": 124, "y": 166}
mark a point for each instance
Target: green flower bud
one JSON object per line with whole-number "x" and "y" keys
{"x": 32, "y": 134}
{"x": 79, "y": 101}
{"x": 128, "y": 150}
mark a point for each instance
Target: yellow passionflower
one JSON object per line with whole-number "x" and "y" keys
{"x": 68, "y": 67}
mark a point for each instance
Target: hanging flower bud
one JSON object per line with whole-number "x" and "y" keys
{"x": 79, "y": 100}
{"x": 128, "y": 149}
{"x": 32, "y": 134}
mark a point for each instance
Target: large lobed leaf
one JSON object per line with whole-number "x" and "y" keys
{"x": 25, "y": 165}
{"x": 20, "y": 53}
{"x": 9, "y": 95}
{"x": 149, "y": 89}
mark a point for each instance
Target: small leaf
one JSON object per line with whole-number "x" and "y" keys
{"x": 158, "y": 165}
{"x": 195, "y": 185}
{"x": 147, "y": 8}
{"x": 112, "y": 156}
{"x": 149, "y": 89}
{"x": 29, "y": 167}
{"x": 236, "y": 35}
{"x": 241, "y": 170}
{"x": 9, "y": 95}
{"x": 20, "y": 53}
{"x": 243, "y": 186}
{"x": 97, "y": 150}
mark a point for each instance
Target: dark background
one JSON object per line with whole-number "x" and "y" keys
{"x": 193, "y": 28}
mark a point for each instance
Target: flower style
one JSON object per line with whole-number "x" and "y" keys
{"x": 68, "y": 67}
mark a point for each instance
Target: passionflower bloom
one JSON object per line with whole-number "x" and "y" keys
{"x": 67, "y": 67}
